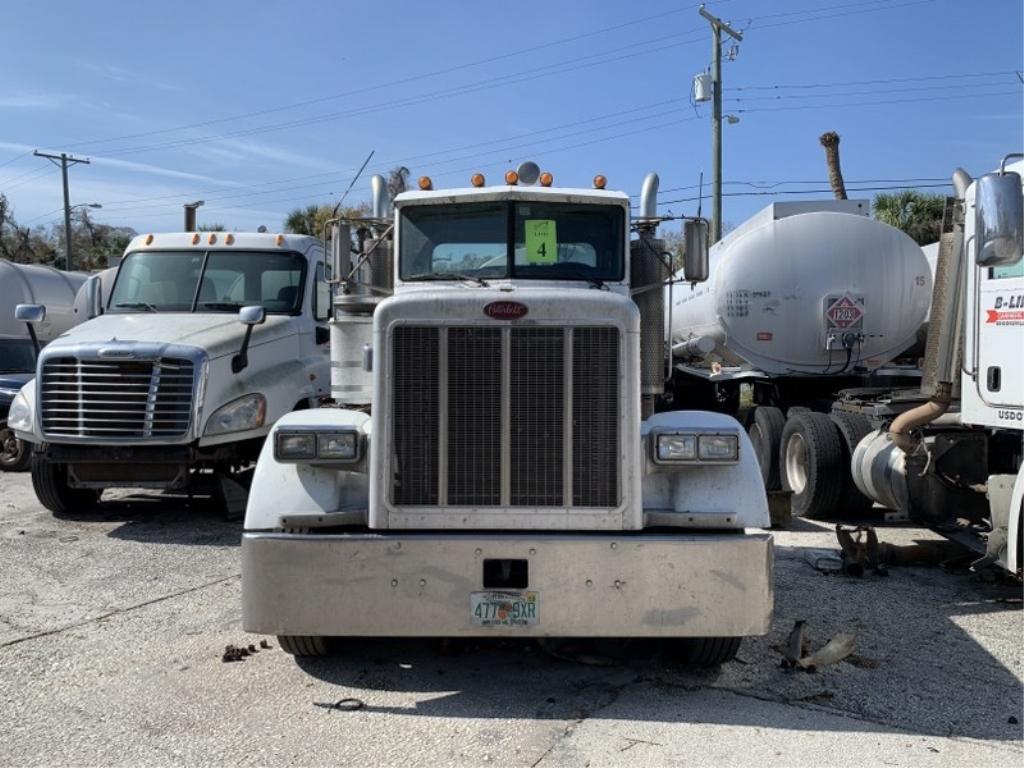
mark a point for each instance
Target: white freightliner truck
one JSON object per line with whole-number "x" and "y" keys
{"x": 952, "y": 460}
{"x": 493, "y": 465}
{"x": 803, "y": 300}
{"x": 202, "y": 342}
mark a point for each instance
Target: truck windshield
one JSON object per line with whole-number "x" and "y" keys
{"x": 521, "y": 239}
{"x": 17, "y": 356}
{"x": 210, "y": 281}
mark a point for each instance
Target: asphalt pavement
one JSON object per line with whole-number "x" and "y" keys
{"x": 113, "y": 624}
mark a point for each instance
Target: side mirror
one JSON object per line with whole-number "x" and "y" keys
{"x": 999, "y": 219}
{"x": 695, "y": 259}
{"x": 252, "y": 315}
{"x": 94, "y": 296}
{"x": 30, "y": 314}
{"x": 249, "y": 317}
{"x": 341, "y": 251}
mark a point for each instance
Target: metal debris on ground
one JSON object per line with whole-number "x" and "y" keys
{"x": 824, "y": 560}
{"x": 863, "y": 552}
{"x": 348, "y": 705}
{"x": 796, "y": 652}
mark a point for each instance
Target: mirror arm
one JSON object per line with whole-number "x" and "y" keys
{"x": 32, "y": 335}
{"x": 241, "y": 361}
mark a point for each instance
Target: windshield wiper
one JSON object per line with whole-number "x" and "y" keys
{"x": 448, "y": 276}
{"x": 220, "y": 304}
{"x": 136, "y": 305}
{"x": 577, "y": 274}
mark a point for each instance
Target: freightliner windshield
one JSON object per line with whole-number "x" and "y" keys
{"x": 209, "y": 281}
{"x": 531, "y": 240}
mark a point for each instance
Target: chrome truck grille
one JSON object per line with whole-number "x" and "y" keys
{"x": 505, "y": 417}
{"x": 108, "y": 399}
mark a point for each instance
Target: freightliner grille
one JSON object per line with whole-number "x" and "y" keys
{"x": 505, "y": 417}
{"x": 108, "y": 399}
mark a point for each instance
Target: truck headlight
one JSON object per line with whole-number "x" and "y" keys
{"x": 696, "y": 448}
{"x": 247, "y": 412}
{"x": 677, "y": 447}
{"x": 19, "y": 417}
{"x": 718, "y": 448}
{"x": 337, "y": 446}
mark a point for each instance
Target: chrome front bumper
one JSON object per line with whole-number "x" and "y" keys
{"x": 403, "y": 584}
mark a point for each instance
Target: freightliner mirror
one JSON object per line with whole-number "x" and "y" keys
{"x": 695, "y": 258}
{"x": 999, "y": 219}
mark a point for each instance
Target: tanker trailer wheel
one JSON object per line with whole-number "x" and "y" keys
{"x": 50, "y": 482}
{"x": 811, "y": 454}
{"x": 14, "y": 453}
{"x": 702, "y": 651}
{"x": 853, "y": 427}
{"x": 765, "y": 435}
{"x": 304, "y": 645}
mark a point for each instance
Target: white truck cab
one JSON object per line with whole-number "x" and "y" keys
{"x": 492, "y": 464}
{"x": 202, "y": 342}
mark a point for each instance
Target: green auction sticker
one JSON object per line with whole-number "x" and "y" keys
{"x": 541, "y": 241}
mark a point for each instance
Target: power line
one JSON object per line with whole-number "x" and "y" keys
{"x": 922, "y": 78}
{"x": 915, "y": 89}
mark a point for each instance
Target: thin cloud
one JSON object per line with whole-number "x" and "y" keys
{"x": 238, "y": 150}
{"x": 119, "y": 75}
{"x": 33, "y": 101}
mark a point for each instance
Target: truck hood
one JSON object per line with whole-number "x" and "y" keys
{"x": 218, "y": 334}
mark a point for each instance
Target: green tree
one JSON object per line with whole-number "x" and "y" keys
{"x": 311, "y": 219}
{"x": 919, "y": 214}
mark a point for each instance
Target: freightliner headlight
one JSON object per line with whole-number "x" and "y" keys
{"x": 696, "y": 448}
{"x": 247, "y": 412}
{"x": 340, "y": 446}
{"x": 19, "y": 417}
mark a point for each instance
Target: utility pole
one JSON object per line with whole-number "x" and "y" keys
{"x": 64, "y": 160}
{"x": 190, "y": 215}
{"x": 717, "y": 27}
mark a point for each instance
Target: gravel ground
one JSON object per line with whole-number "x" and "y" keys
{"x": 112, "y": 626}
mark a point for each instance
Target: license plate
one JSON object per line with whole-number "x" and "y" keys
{"x": 504, "y": 609}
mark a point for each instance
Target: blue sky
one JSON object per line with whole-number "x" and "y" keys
{"x": 258, "y": 107}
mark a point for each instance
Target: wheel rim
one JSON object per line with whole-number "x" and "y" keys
{"x": 796, "y": 463}
{"x": 10, "y": 448}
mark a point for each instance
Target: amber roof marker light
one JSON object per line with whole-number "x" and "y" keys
{"x": 477, "y": 180}
{"x": 600, "y": 181}
{"x": 511, "y": 178}
{"x": 426, "y": 184}
{"x": 546, "y": 179}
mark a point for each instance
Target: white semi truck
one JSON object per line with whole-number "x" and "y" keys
{"x": 804, "y": 299}
{"x": 202, "y": 342}
{"x": 951, "y": 458}
{"x": 493, "y": 465}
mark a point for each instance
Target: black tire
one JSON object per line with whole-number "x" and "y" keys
{"x": 14, "y": 453}
{"x": 811, "y": 464}
{"x": 766, "y": 434}
{"x": 50, "y": 482}
{"x": 797, "y": 409}
{"x": 704, "y": 651}
{"x": 853, "y": 427}
{"x": 304, "y": 645}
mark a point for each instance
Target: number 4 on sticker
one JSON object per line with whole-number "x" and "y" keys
{"x": 541, "y": 241}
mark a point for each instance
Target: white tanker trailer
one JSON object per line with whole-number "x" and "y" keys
{"x": 803, "y": 300}
{"x": 29, "y": 284}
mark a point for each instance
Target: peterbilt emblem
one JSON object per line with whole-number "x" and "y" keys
{"x": 506, "y": 310}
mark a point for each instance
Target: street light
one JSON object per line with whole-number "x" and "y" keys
{"x": 85, "y": 205}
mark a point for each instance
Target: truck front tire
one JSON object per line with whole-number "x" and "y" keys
{"x": 304, "y": 645}
{"x": 811, "y": 459}
{"x": 765, "y": 435}
{"x": 14, "y": 453}
{"x": 50, "y": 482}
{"x": 704, "y": 651}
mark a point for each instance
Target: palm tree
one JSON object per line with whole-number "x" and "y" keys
{"x": 830, "y": 141}
{"x": 919, "y": 214}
